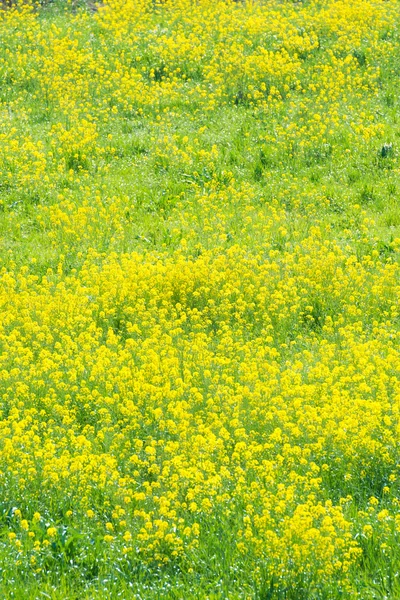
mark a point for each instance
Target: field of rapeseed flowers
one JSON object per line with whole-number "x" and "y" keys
{"x": 200, "y": 284}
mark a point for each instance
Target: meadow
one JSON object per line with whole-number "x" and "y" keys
{"x": 199, "y": 292}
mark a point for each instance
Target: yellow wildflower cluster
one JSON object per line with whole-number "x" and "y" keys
{"x": 180, "y": 389}
{"x": 199, "y": 334}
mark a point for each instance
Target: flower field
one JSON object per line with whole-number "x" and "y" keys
{"x": 199, "y": 292}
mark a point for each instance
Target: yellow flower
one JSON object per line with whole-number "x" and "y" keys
{"x": 51, "y": 532}
{"x": 127, "y": 536}
{"x": 25, "y": 524}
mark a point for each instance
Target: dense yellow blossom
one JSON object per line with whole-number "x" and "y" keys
{"x": 193, "y": 359}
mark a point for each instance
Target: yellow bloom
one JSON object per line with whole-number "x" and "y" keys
{"x": 52, "y": 532}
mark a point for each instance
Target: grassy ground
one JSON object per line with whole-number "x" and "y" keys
{"x": 200, "y": 280}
